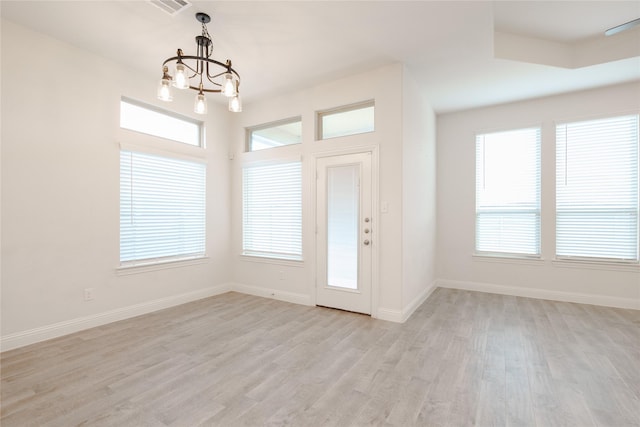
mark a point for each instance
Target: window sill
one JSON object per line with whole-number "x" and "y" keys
{"x": 595, "y": 264}
{"x": 263, "y": 259}
{"x": 508, "y": 259}
{"x": 142, "y": 267}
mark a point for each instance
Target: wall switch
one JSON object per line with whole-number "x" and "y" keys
{"x": 88, "y": 294}
{"x": 281, "y": 275}
{"x": 384, "y": 207}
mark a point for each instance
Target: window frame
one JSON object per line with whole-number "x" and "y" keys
{"x": 537, "y": 210}
{"x": 153, "y": 145}
{"x": 202, "y": 214}
{"x": 265, "y": 256}
{"x": 250, "y": 130}
{"x": 343, "y": 109}
{"x": 154, "y": 109}
{"x": 572, "y": 261}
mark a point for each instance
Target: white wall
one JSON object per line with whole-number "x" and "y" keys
{"x": 456, "y": 211}
{"x": 297, "y": 282}
{"x": 60, "y": 192}
{"x": 418, "y": 195}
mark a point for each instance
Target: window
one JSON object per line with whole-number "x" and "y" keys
{"x": 349, "y": 120}
{"x": 140, "y": 118}
{"x": 285, "y": 132}
{"x": 272, "y": 211}
{"x": 508, "y": 192}
{"x": 597, "y": 189}
{"x": 162, "y": 198}
{"x": 162, "y": 208}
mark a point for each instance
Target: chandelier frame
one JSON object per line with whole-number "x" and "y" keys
{"x": 203, "y": 61}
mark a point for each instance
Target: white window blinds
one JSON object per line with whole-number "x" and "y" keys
{"x": 597, "y": 189}
{"x": 508, "y": 192}
{"x": 162, "y": 208}
{"x": 272, "y": 211}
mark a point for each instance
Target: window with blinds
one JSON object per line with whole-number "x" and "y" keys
{"x": 508, "y": 192}
{"x": 272, "y": 210}
{"x": 162, "y": 208}
{"x": 597, "y": 189}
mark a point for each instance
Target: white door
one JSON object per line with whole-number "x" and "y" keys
{"x": 345, "y": 232}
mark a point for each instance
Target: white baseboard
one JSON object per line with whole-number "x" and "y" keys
{"x": 32, "y": 336}
{"x": 580, "y": 298}
{"x": 43, "y": 333}
{"x": 389, "y": 315}
{"x": 259, "y": 291}
{"x": 47, "y": 332}
{"x": 417, "y": 302}
{"x": 401, "y": 316}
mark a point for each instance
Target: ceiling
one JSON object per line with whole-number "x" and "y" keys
{"x": 447, "y": 45}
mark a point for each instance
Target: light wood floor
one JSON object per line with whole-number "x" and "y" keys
{"x": 464, "y": 358}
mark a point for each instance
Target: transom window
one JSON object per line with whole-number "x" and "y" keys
{"x": 152, "y": 121}
{"x": 277, "y": 134}
{"x": 348, "y": 120}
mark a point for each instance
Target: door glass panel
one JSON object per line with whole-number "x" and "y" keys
{"x": 342, "y": 226}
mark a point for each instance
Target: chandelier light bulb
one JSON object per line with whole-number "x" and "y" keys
{"x": 200, "y": 106}
{"x": 228, "y": 86}
{"x": 235, "y": 105}
{"x": 181, "y": 78}
{"x": 164, "y": 90}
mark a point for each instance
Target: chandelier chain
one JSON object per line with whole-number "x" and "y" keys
{"x": 205, "y": 33}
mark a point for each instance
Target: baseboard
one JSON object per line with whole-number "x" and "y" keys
{"x": 576, "y": 297}
{"x": 417, "y": 301}
{"x": 390, "y": 315}
{"x": 401, "y": 316}
{"x": 259, "y": 291}
{"x": 32, "y": 336}
{"x": 43, "y": 333}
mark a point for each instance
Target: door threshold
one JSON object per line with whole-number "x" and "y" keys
{"x": 342, "y": 309}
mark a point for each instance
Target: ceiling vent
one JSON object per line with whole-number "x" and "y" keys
{"x": 172, "y": 7}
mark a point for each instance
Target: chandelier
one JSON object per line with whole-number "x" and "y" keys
{"x": 202, "y": 73}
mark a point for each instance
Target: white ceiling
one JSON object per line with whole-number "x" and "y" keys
{"x": 276, "y": 46}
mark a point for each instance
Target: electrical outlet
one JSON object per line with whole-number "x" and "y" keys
{"x": 88, "y": 294}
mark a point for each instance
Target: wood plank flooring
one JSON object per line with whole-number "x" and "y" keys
{"x": 463, "y": 359}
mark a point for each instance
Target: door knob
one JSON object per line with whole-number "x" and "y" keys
{"x": 366, "y": 231}
{"x": 366, "y": 242}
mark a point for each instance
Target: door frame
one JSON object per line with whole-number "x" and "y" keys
{"x": 375, "y": 218}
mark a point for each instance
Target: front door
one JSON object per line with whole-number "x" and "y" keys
{"x": 345, "y": 229}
